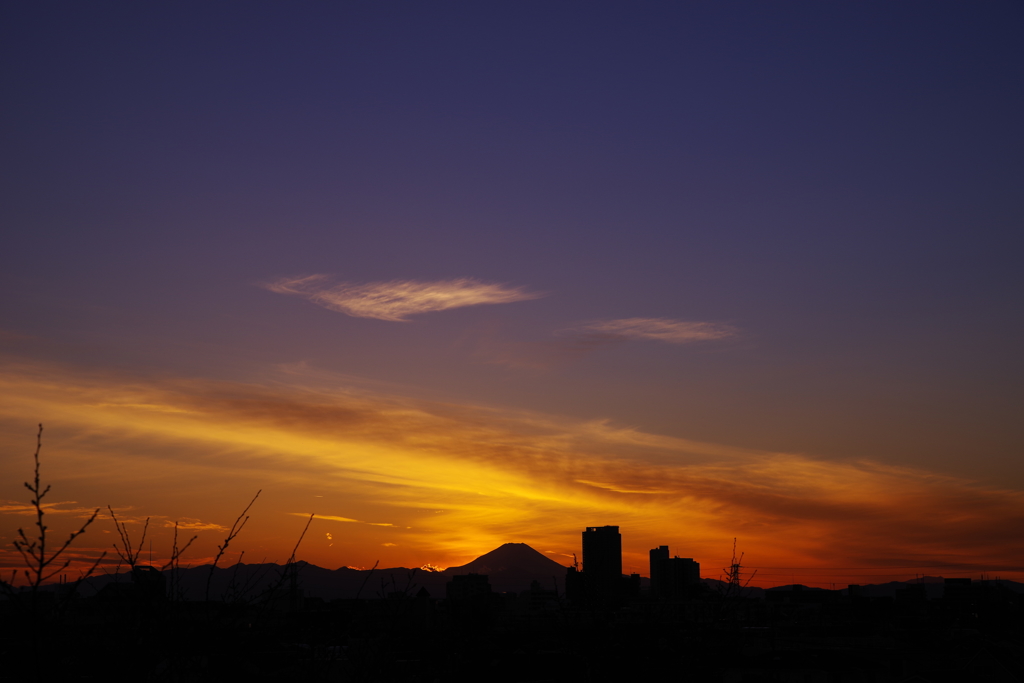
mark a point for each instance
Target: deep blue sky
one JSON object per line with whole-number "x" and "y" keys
{"x": 841, "y": 183}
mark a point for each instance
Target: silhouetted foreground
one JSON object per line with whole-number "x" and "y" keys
{"x": 511, "y": 615}
{"x": 304, "y": 623}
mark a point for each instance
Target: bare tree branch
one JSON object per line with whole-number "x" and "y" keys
{"x": 236, "y": 528}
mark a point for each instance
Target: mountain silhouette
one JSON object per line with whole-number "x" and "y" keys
{"x": 510, "y": 558}
{"x": 513, "y": 566}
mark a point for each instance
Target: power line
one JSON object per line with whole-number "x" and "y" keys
{"x": 919, "y": 566}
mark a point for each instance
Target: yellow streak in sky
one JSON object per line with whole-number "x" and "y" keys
{"x": 456, "y": 481}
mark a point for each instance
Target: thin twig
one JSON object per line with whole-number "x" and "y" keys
{"x": 177, "y": 552}
{"x": 287, "y": 569}
{"x": 69, "y": 596}
{"x": 129, "y": 555}
{"x": 301, "y": 536}
{"x": 368, "y": 575}
{"x": 236, "y": 528}
{"x": 251, "y": 581}
{"x": 174, "y": 564}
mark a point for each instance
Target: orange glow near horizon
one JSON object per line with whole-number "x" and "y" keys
{"x": 409, "y": 482}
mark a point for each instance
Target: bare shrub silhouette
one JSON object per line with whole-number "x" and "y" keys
{"x": 42, "y": 565}
{"x": 128, "y": 554}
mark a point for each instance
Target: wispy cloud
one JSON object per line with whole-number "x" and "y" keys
{"x": 194, "y": 525}
{"x": 15, "y": 508}
{"x": 491, "y": 344}
{"x": 335, "y": 518}
{"x": 81, "y": 557}
{"x": 620, "y": 489}
{"x": 659, "y": 329}
{"x": 398, "y": 299}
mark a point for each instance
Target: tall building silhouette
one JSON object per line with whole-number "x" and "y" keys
{"x": 672, "y": 578}
{"x": 659, "y": 557}
{"x": 602, "y": 552}
{"x": 602, "y": 562}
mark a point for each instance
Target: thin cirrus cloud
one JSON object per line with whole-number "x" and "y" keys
{"x": 491, "y": 346}
{"x": 194, "y": 525}
{"x": 659, "y": 329}
{"x": 396, "y": 300}
{"x": 335, "y": 518}
{"x": 15, "y": 508}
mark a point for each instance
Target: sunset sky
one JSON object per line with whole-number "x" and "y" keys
{"x": 450, "y": 275}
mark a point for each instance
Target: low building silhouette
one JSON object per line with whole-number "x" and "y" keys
{"x": 467, "y": 587}
{"x": 147, "y": 586}
{"x": 470, "y": 599}
{"x": 672, "y": 578}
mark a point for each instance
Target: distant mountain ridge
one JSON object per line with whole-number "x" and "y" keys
{"x": 511, "y": 567}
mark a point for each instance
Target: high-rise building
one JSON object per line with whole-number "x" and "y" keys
{"x": 659, "y": 556}
{"x": 602, "y": 563}
{"x": 602, "y": 553}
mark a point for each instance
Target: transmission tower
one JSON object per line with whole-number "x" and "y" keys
{"x": 734, "y": 572}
